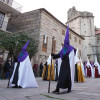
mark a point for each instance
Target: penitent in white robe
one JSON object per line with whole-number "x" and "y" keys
{"x": 26, "y": 78}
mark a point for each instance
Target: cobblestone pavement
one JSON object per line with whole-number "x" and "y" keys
{"x": 90, "y": 90}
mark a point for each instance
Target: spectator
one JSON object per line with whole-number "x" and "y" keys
{"x": 41, "y": 69}
{"x": 8, "y": 68}
{"x": 1, "y": 63}
{"x": 35, "y": 69}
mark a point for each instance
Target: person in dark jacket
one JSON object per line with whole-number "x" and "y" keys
{"x": 8, "y": 68}
{"x": 41, "y": 69}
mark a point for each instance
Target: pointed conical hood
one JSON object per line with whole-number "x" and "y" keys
{"x": 66, "y": 41}
{"x": 96, "y": 59}
{"x": 82, "y": 66}
{"x": 96, "y": 62}
{"x": 88, "y": 60}
{"x": 91, "y": 63}
{"x": 88, "y": 63}
{"x": 25, "y": 46}
{"x": 67, "y": 48}
{"x": 77, "y": 52}
{"x": 80, "y": 59}
{"x": 76, "y": 57}
{"x": 23, "y": 54}
{"x": 85, "y": 63}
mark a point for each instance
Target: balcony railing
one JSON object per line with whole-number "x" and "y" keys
{"x": 17, "y": 6}
{"x": 13, "y": 4}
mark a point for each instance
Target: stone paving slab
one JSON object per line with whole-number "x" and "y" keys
{"x": 90, "y": 90}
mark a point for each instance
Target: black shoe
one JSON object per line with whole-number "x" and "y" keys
{"x": 15, "y": 86}
{"x": 19, "y": 87}
{"x": 56, "y": 91}
{"x": 69, "y": 90}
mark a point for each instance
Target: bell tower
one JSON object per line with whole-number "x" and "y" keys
{"x": 83, "y": 24}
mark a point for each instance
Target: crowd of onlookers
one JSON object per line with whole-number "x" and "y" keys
{"x": 1, "y": 63}
{"x": 35, "y": 69}
{"x": 6, "y": 68}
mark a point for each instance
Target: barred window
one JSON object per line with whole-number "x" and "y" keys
{"x": 53, "y": 46}
{"x": 75, "y": 39}
{"x": 62, "y": 44}
{"x": 5, "y": 1}
{"x": 2, "y": 15}
{"x": 79, "y": 41}
{"x": 69, "y": 36}
{"x": 44, "y": 46}
{"x": 63, "y": 32}
{"x": 79, "y": 52}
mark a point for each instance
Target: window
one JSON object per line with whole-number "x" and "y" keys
{"x": 2, "y": 15}
{"x": 79, "y": 52}
{"x": 44, "y": 46}
{"x": 69, "y": 36}
{"x": 6, "y": 1}
{"x": 79, "y": 41}
{"x": 63, "y": 32}
{"x": 53, "y": 45}
{"x": 75, "y": 39}
{"x": 62, "y": 44}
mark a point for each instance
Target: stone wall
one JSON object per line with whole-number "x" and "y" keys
{"x": 27, "y": 22}
{"x": 75, "y": 25}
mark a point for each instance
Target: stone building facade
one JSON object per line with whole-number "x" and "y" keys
{"x": 46, "y": 29}
{"x": 83, "y": 24}
{"x": 8, "y": 9}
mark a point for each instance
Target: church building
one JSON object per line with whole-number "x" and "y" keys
{"x": 83, "y": 24}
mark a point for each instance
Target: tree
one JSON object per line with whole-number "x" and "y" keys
{"x": 13, "y": 42}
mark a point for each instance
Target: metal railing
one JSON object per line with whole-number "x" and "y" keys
{"x": 13, "y": 4}
{"x": 17, "y": 6}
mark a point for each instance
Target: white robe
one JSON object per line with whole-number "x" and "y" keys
{"x": 26, "y": 76}
{"x": 92, "y": 72}
{"x": 82, "y": 66}
{"x": 59, "y": 65}
{"x": 72, "y": 67}
{"x": 97, "y": 64}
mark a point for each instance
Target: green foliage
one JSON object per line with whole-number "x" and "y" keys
{"x": 13, "y": 42}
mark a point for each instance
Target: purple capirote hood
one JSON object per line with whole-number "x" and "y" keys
{"x": 67, "y": 48}
{"x": 91, "y": 63}
{"x": 23, "y": 54}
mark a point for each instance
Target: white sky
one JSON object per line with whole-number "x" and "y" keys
{"x": 59, "y": 8}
